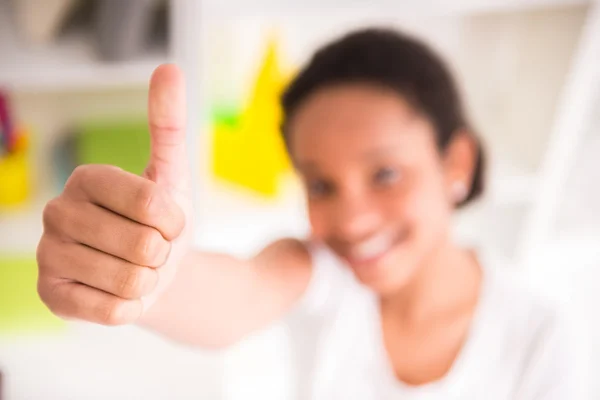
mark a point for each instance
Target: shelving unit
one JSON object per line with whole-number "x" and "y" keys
{"x": 68, "y": 64}
{"x": 236, "y": 8}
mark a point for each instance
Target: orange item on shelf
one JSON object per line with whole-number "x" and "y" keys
{"x": 15, "y": 172}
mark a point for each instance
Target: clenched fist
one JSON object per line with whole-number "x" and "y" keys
{"x": 112, "y": 240}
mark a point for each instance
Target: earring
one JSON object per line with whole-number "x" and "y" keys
{"x": 459, "y": 191}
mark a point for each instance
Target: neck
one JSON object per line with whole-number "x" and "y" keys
{"x": 447, "y": 282}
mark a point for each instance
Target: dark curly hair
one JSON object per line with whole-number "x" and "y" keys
{"x": 392, "y": 60}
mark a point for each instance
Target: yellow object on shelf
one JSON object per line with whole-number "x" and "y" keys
{"x": 248, "y": 149}
{"x": 15, "y": 173}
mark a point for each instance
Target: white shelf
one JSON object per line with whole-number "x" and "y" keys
{"x": 72, "y": 65}
{"x": 69, "y": 64}
{"x": 73, "y": 73}
{"x": 227, "y": 8}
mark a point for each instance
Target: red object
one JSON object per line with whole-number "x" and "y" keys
{"x": 6, "y": 124}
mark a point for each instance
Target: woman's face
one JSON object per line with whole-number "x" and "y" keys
{"x": 379, "y": 193}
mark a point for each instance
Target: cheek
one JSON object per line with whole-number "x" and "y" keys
{"x": 426, "y": 206}
{"x": 317, "y": 217}
{"x": 396, "y": 205}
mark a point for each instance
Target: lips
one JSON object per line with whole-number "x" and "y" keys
{"x": 372, "y": 249}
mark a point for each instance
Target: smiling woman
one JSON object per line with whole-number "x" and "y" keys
{"x": 386, "y": 152}
{"x": 385, "y": 188}
{"x": 375, "y": 127}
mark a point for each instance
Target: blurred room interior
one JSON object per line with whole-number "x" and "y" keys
{"x": 73, "y": 89}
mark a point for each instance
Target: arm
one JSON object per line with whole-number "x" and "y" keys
{"x": 107, "y": 257}
{"x": 216, "y": 300}
{"x": 116, "y": 247}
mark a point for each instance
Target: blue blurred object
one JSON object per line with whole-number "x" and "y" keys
{"x": 64, "y": 159}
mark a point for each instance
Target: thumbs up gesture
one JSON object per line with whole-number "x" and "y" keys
{"x": 112, "y": 240}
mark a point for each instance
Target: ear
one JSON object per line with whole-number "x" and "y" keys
{"x": 460, "y": 157}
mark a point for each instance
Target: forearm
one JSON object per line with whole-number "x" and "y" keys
{"x": 215, "y": 300}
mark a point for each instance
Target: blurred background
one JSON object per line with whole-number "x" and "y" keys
{"x": 73, "y": 87}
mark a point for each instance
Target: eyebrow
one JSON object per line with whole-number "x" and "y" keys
{"x": 382, "y": 150}
{"x": 311, "y": 166}
{"x": 307, "y": 166}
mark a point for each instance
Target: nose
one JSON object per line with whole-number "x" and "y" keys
{"x": 357, "y": 218}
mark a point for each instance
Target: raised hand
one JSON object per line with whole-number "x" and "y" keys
{"x": 112, "y": 240}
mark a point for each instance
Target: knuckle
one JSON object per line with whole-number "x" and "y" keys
{"x": 51, "y": 213}
{"x": 148, "y": 247}
{"x": 78, "y": 175}
{"x": 49, "y": 293}
{"x": 134, "y": 283}
{"x": 46, "y": 259}
{"x": 50, "y": 256}
{"x": 44, "y": 291}
{"x": 41, "y": 255}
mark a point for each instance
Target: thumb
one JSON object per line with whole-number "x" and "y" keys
{"x": 168, "y": 164}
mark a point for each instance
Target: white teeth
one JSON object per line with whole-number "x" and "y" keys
{"x": 372, "y": 248}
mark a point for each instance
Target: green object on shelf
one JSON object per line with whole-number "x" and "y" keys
{"x": 21, "y": 309}
{"x": 226, "y": 116}
{"x": 125, "y": 144}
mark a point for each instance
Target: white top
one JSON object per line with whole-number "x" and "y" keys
{"x": 518, "y": 347}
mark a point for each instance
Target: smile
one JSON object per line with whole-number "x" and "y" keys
{"x": 373, "y": 249}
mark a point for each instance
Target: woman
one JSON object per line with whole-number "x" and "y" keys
{"x": 376, "y": 130}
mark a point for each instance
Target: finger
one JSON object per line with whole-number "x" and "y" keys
{"x": 78, "y": 301}
{"x": 166, "y": 115}
{"x": 76, "y": 262}
{"x": 129, "y": 195}
{"x": 101, "y": 229}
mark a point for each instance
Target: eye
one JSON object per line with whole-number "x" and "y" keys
{"x": 386, "y": 176}
{"x": 319, "y": 188}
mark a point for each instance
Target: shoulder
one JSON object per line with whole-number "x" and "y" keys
{"x": 330, "y": 281}
{"x": 289, "y": 245}
{"x": 286, "y": 252}
{"x": 304, "y": 254}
